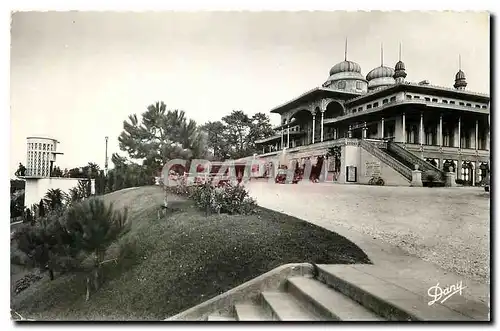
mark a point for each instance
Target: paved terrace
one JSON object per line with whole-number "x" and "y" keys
{"x": 429, "y": 235}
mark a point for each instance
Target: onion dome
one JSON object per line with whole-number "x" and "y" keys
{"x": 380, "y": 72}
{"x": 380, "y": 77}
{"x": 400, "y": 65}
{"x": 345, "y": 66}
{"x": 399, "y": 71}
{"x": 460, "y": 75}
{"x": 460, "y": 82}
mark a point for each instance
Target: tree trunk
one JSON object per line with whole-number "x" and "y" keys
{"x": 87, "y": 296}
{"x": 96, "y": 279}
{"x": 97, "y": 265}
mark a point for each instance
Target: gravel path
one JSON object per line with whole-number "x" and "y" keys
{"x": 446, "y": 226}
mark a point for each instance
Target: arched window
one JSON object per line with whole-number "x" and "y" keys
{"x": 341, "y": 85}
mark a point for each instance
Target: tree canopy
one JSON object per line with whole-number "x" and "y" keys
{"x": 162, "y": 135}
{"x": 235, "y": 135}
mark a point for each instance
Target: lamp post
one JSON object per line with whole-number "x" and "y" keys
{"x": 106, "y": 157}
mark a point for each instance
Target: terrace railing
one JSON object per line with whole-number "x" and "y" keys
{"x": 414, "y": 159}
{"x": 386, "y": 158}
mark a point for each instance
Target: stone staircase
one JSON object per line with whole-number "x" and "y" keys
{"x": 399, "y": 152}
{"x": 401, "y": 160}
{"x": 380, "y": 153}
{"x": 328, "y": 293}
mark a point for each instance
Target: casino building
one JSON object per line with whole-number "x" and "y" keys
{"x": 384, "y": 126}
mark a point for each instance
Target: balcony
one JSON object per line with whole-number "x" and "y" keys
{"x": 447, "y": 150}
{"x": 394, "y": 103}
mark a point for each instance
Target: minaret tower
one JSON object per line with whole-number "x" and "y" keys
{"x": 460, "y": 82}
{"x": 399, "y": 69}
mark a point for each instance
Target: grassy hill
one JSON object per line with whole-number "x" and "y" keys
{"x": 181, "y": 261}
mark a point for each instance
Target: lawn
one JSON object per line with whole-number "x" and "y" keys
{"x": 182, "y": 260}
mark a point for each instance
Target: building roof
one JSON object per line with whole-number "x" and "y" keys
{"x": 431, "y": 89}
{"x": 40, "y": 137}
{"x": 313, "y": 94}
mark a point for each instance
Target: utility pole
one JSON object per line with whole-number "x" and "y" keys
{"x": 106, "y": 158}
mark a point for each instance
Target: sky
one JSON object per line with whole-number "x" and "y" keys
{"x": 76, "y": 76}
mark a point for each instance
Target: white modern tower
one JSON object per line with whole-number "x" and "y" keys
{"x": 41, "y": 156}
{"x": 40, "y": 159}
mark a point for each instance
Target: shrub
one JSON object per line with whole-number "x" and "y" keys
{"x": 430, "y": 176}
{"x": 180, "y": 188}
{"x": 226, "y": 199}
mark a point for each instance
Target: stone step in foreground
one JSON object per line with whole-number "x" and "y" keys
{"x": 341, "y": 293}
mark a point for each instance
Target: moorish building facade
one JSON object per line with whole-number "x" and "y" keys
{"x": 383, "y": 126}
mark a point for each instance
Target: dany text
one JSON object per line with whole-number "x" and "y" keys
{"x": 437, "y": 293}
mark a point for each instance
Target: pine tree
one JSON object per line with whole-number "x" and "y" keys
{"x": 93, "y": 225}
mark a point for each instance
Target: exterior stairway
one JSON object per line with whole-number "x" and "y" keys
{"x": 326, "y": 293}
{"x": 400, "y": 153}
{"x": 402, "y": 161}
{"x": 381, "y": 153}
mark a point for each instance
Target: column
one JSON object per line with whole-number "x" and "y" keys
{"x": 288, "y": 136}
{"x": 349, "y": 133}
{"x": 477, "y": 135}
{"x": 474, "y": 173}
{"x": 440, "y": 131}
{"x": 488, "y": 139}
{"x": 382, "y": 130}
{"x": 335, "y": 135}
{"x": 364, "y": 133}
{"x": 314, "y": 127}
{"x": 282, "y": 145}
{"x": 459, "y": 135}
{"x": 421, "y": 134}
{"x": 404, "y": 128}
{"x": 322, "y": 113}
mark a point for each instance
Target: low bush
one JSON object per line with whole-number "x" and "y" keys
{"x": 213, "y": 196}
{"x": 226, "y": 199}
{"x": 430, "y": 176}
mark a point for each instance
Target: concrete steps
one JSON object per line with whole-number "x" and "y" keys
{"x": 328, "y": 302}
{"x": 220, "y": 318}
{"x": 345, "y": 293}
{"x": 251, "y": 312}
{"x": 285, "y": 307}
